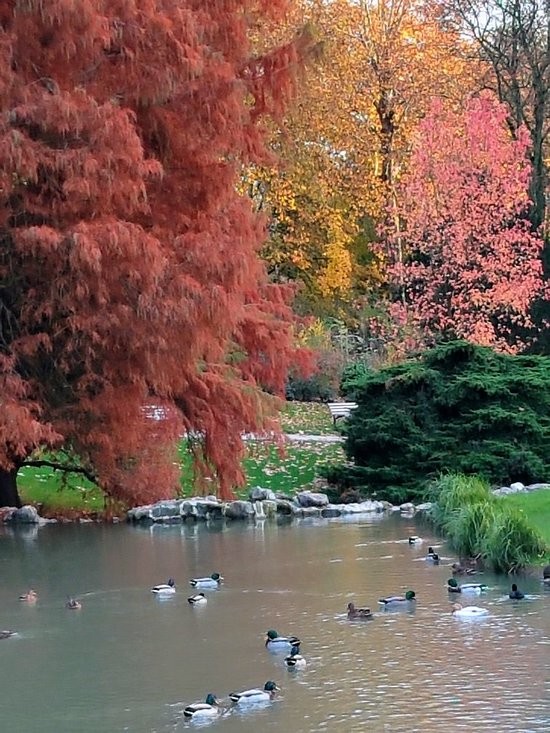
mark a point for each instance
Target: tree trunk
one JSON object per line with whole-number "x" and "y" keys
{"x": 9, "y": 496}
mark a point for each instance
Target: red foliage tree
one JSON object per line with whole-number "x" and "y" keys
{"x": 472, "y": 266}
{"x": 129, "y": 272}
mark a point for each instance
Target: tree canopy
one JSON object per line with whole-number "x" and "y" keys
{"x": 129, "y": 268}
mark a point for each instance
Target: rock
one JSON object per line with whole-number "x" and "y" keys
{"x": 311, "y": 511}
{"x": 166, "y": 511}
{"x": 536, "y": 487}
{"x": 517, "y": 486}
{"x": 270, "y": 508}
{"x": 257, "y": 493}
{"x": 284, "y": 506}
{"x": 208, "y": 509}
{"x": 332, "y": 510}
{"x": 423, "y": 508}
{"x": 238, "y": 510}
{"x": 408, "y": 508}
{"x": 503, "y": 491}
{"x": 140, "y": 513}
{"x": 312, "y": 499}
{"x": 25, "y": 515}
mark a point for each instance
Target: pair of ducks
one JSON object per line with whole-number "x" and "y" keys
{"x": 212, "y": 707}
{"x": 276, "y": 643}
{"x": 199, "y": 599}
{"x": 389, "y": 603}
{"x": 31, "y": 596}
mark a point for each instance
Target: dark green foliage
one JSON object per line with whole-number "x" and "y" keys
{"x": 353, "y": 376}
{"x": 477, "y": 524}
{"x": 457, "y": 407}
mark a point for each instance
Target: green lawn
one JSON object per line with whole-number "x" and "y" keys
{"x": 536, "y": 507}
{"x": 264, "y": 466}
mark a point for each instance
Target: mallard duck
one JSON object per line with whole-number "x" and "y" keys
{"x": 468, "y": 611}
{"x": 165, "y": 589}
{"x": 415, "y": 540}
{"x": 546, "y": 574}
{"x": 5, "y": 634}
{"x": 406, "y": 601}
{"x": 353, "y": 612}
{"x": 256, "y": 695}
{"x": 207, "y": 709}
{"x": 30, "y": 597}
{"x": 197, "y": 600}
{"x": 515, "y": 594}
{"x": 73, "y": 604}
{"x": 459, "y": 569}
{"x": 295, "y": 660}
{"x": 277, "y": 643}
{"x": 432, "y": 556}
{"x": 454, "y": 587}
{"x": 212, "y": 582}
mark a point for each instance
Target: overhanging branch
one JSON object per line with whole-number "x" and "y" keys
{"x": 65, "y": 467}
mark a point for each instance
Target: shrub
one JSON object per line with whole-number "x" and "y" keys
{"x": 323, "y": 385}
{"x": 458, "y": 407}
{"x": 353, "y": 377}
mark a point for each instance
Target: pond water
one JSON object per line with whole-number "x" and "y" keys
{"x": 130, "y": 662}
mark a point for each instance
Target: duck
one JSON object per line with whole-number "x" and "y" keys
{"x": 295, "y": 659}
{"x": 255, "y": 695}
{"x": 454, "y": 587}
{"x": 197, "y": 599}
{"x": 459, "y": 569}
{"x": 30, "y": 597}
{"x": 212, "y": 582}
{"x": 432, "y": 556}
{"x": 546, "y": 575}
{"x": 277, "y": 643}
{"x": 73, "y": 604}
{"x": 5, "y": 634}
{"x": 165, "y": 589}
{"x": 515, "y": 594}
{"x": 415, "y": 540}
{"x": 354, "y": 612}
{"x": 207, "y": 709}
{"x": 468, "y": 611}
{"x": 406, "y": 601}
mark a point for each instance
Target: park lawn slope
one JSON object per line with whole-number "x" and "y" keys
{"x": 535, "y": 506}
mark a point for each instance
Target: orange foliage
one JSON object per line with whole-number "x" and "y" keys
{"x": 129, "y": 272}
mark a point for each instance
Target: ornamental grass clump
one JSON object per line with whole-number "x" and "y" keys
{"x": 477, "y": 524}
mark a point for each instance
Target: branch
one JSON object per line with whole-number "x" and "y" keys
{"x": 66, "y": 467}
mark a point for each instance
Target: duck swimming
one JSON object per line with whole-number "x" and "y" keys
{"x": 353, "y": 612}
{"x": 392, "y": 602}
{"x": 432, "y": 556}
{"x": 454, "y": 587}
{"x": 277, "y": 643}
{"x": 459, "y": 569}
{"x": 295, "y": 660}
{"x": 197, "y": 600}
{"x": 30, "y": 597}
{"x": 165, "y": 589}
{"x": 546, "y": 575}
{"x": 5, "y": 634}
{"x": 255, "y": 695}
{"x": 415, "y": 540}
{"x": 212, "y": 582}
{"x": 515, "y": 594}
{"x": 468, "y": 611}
{"x": 207, "y": 709}
{"x": 73, "y": 604}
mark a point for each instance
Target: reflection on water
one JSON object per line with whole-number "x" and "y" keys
{"x": 131, "y": 662}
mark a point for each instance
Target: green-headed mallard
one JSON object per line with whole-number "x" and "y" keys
{"x": 248, "y": 697}
{"x": 212, "y": 582}
{"x": 394, "y": 602}
{"x": 277, "y": 643}
{"x": 363, "y": 613}
{"x": 454, "y": 587}
{"x": 207, "y": 709}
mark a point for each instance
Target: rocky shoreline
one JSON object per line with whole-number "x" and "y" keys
{"x": 261, "y": 504}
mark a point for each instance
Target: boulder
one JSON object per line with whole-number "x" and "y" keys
{"x": 408, "y": 508}
{"x": 312, "y": 499}
{"x": 311, "y": 511}
{"x": 257, "y": 493}
{"x": 24, "y": 515}
{"x": 517, "y": 486}
{"x": 166, "y": 511}
{"x": 238, "y": 510}
{"x": 536, "y": 487}
{"x": 270, "y": 508}
{"x": 423, "y": 508}
{"x": 332, "y": 510}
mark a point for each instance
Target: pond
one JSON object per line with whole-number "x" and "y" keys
{"x": 128, "y": 661}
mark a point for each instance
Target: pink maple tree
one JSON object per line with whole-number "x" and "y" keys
{"x": 471, "y": 265}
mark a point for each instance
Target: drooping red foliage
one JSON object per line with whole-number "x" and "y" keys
{"x": 129, "y": 272}
{"x": 472, "y": 266}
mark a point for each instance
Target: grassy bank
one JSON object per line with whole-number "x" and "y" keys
{"x": 535, "y": 507}
{"x": 264, "y": 466}
{"x": 477, "y": 523}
